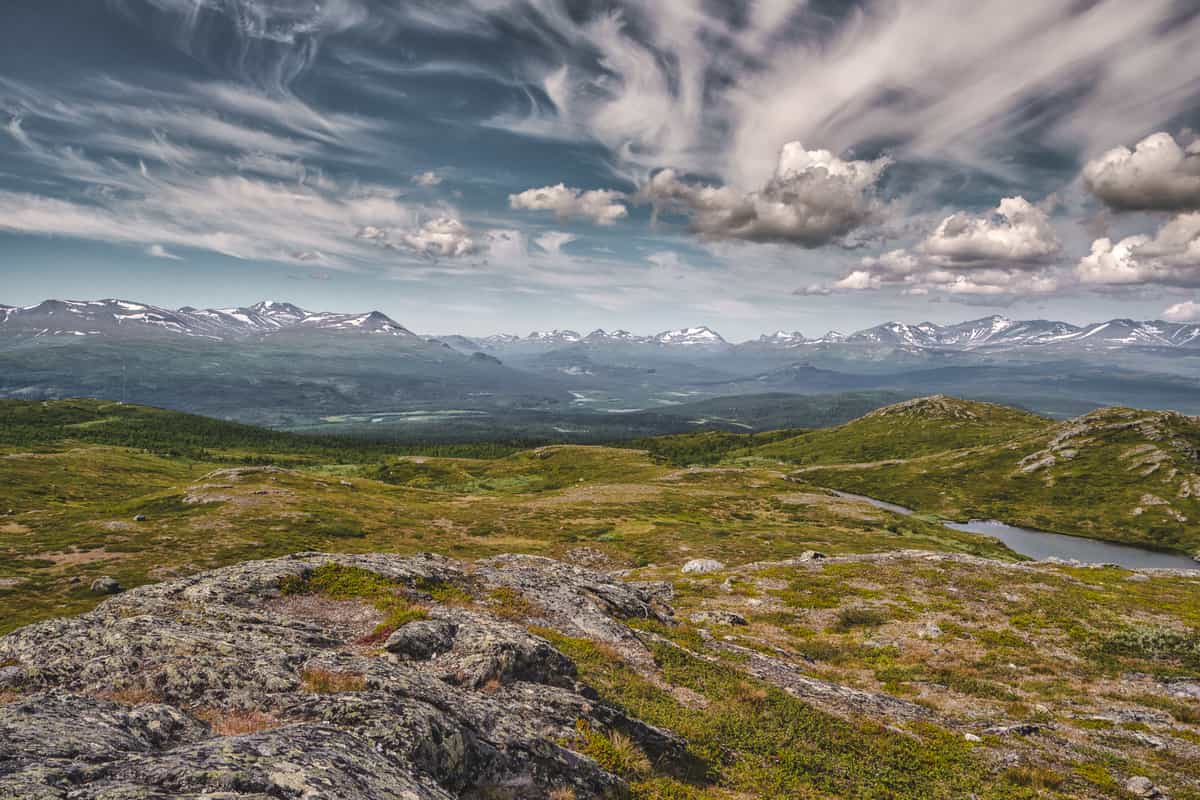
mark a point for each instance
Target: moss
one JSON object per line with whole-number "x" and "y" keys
{"x": 340, "y": 582}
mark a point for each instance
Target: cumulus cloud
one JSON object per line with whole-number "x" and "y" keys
{"x": 1169, "y": 258}
{"x": 445, "y": 237}
{"x": 1017, "y": 232}
{"x": 1008, "y": 251}
{"x": 1157, "y": 175}
{"x": 600, "y": 206}
{"x": 1188, "y": 311}
{"x": 813, "y": 199}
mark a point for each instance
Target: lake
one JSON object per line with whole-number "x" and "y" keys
{"x": 1042, "y": 545}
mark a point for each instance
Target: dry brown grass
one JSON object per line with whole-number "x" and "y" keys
{"x": 236, "y": 722}
{"x": 7, "y": 696}
{"x": 130, "y": 696}
{"x": 325, "y": 681}
{"x": 561, "y": 793}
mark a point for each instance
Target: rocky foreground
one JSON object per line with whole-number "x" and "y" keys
{"x": 221, "y": 685}
{"x": 383, "y": 676}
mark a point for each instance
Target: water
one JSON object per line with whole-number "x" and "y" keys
{"x": 1041, "y": 545}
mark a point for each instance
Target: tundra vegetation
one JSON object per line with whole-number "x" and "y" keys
{"x": 840, "y": 650}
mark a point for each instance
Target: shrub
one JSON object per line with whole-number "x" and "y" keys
{"x": 859, "y": 617}
{"x": 1155, "y": 644}
{"x": 614, "y": 751}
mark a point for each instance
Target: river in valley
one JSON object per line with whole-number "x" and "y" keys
{"x": 1041, "y": 545}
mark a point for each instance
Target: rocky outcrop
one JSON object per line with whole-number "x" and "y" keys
{"x": 217, "y": 685}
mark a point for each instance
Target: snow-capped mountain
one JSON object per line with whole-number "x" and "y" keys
{"x": 123, "y": 318}
{"x": 1000, "y": 333}
{"x": 781, "y": 339}
{"x": 273, "y": 318}
{"x": 553, "y": 337}
{"x": 700, "y": 336}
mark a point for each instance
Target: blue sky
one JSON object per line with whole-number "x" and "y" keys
{"x": 503, "y": 165}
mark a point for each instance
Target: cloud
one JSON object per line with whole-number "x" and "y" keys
{"x": 691, "y": 86}
{"x": 1157, "y": 175}
{"x": 1016, "y": 232}
{"x": 267, "y": 42}
{"x": 1188, "y": 311}
{"x": 427, "y": 179}
{"x": 1008, "y": 251}
{"x": 813, "y": 290}
{"x": 554, "y": 241}
{"x": 600, "y": 206}
{"x": 445, "y": 237}
{"x": 813, "y": 199}
{"x": 165, "y": 174}
{"x": 1169, "y": 258}
{"x": 158, "y": 251}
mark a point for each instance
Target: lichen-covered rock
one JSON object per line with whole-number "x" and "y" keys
{"x": 215, "y": 685}
{"x": 701, "y": 566}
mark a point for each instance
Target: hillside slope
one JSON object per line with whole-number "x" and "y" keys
{"x": 1117, "y": 474}
{"x": 913, "y": 428}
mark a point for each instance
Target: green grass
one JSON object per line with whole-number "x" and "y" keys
{"x": 1094, "y": 487}
{"x": 1014, "y": 644}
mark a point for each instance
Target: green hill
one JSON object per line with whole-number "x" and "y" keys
{"x": 1117, "y": 474}
{"x": 913, "y": 428}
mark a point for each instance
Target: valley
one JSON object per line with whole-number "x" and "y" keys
{"x": 920, "y": 661}
{"x": 364, "y": 374}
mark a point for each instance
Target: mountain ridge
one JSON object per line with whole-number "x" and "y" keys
{"x": 994, "y": 333}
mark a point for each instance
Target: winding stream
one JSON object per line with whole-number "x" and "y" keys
{"x": 1041, "y": 545}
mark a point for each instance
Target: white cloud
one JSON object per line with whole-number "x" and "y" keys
{"x": 600, "y": 206}
{"x": 691, "y": 86}
{"x": 427, "y": 179}
{"x": 814, "y": 198}
{"x": 1188, "y": 311}
{"x": 1169, "y": 258}
{"x": 554, "y": 241}
{"x": 158, "y": 251}
{"x": 1016, "y": 232}
{"x": 1008, "y": 251}
{"x": 1157, "y": 175}
{"x": 443, "y": 237}
{"x": 859, "y": 279}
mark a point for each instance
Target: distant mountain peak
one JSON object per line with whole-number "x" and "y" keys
{"x": 698, "y": 335}
{"x": 113, "y": 316}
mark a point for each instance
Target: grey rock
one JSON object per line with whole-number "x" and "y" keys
{"x": 701, "y": 566}
{"x": 1020, "y": 729}
{"x": 718, "y": 618}
{"x": 106, "y": 585}
{"x": 462, "y": 704}
{"x": 422, "y": 639}
{"x": 1141, "y": 786}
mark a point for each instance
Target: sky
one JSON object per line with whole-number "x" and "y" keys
{"x": 478, "y": 166}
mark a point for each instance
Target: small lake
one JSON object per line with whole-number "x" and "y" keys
{"x": 1041, "y": 545}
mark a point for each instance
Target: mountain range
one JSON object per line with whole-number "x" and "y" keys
{"x": 121, "y": 317}
{"x": 271, "y": 318}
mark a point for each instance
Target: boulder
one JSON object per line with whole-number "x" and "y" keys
{"x": 700, "y": 566}
{"x": 463, "y": 703}
{"x": 422, "y": 639}
{"x": 106, "y": 585}
{"x": 718, "y": 618}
